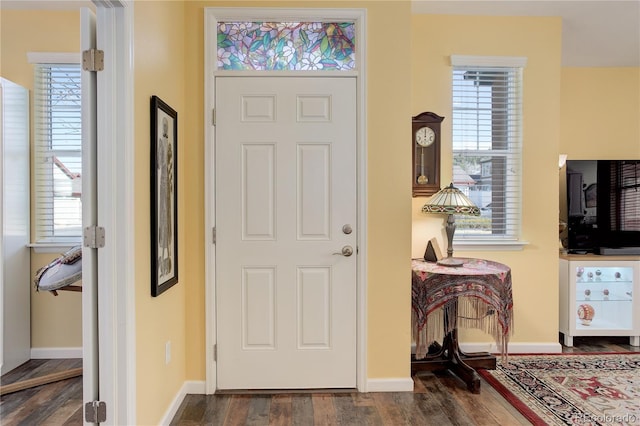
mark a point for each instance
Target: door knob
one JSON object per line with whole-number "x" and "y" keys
{"x": 346, "y": 251}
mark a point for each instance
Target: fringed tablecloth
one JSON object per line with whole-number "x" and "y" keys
{"x": 484, "y": 301}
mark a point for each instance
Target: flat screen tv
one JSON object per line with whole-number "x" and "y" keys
{"x": 603, "y": 206}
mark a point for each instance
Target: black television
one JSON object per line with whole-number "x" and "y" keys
{"x": 603, "y": 206}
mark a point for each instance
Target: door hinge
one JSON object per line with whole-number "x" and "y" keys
{"x": 95, "y": 412}
{"x": 93, "y": 236}
{"x": 213, "y": 116}
{"x": 215, "y": 352}
{"x": 93, "y": 60}
{"x": 213, "y": 233}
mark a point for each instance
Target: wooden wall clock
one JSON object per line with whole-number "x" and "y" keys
{"x": 425, "y": 139}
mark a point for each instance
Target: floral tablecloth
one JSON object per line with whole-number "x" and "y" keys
{"x": 482, "y": 290}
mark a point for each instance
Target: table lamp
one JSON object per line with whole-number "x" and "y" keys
{"x": 450, "y": 201}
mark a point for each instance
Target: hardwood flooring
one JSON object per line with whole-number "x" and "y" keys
{"x": 438, "y": 398}
{"x": 58, "y": 403}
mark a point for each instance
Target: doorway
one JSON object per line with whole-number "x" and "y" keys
{"x": 257, "y": 281}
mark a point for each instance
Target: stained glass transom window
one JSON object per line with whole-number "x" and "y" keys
{"x": 268, "y": 46}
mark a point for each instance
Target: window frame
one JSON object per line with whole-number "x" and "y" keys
{"x": 41, "y": 240}
{"x": 512, "y": 239}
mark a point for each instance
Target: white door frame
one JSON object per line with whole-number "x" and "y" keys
{"x": 211, "y": 16}
{"x": 115, "y": 179}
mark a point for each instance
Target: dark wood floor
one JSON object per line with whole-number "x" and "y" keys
{"x": 58, "y": 403}
{"x": 438, "y": 399}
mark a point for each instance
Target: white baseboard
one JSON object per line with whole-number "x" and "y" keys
{"x": 194, "y": 387}
{"x": 514, "y": 348}
{"x": 55, "y": 353}
{"x": 390, "y": 385}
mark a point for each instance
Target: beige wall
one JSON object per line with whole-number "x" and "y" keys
{"x": 535, "y": 268}
{"x": 599, "y": 115}
{"x": 56, "y": 322}
{"x": 159, "y": 69}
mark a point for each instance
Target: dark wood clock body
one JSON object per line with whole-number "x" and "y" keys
{"x": 426, "y": 160}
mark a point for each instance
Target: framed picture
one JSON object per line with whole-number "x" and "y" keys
{"x": 164, "y": 196}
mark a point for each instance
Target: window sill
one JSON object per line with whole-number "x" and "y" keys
{"x": 57, "y": 247}
{"x": 486, "y": 245}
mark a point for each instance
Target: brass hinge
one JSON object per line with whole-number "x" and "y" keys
{"x": 215, "y": 352}
{"x": 93, "y": 60}
{"x": 95, "y": 412}
{"x": 93, "y": 236}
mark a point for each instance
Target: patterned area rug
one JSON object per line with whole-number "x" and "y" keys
{"x": 571, "y": 389}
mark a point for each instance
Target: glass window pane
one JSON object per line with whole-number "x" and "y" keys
{"x": 268, "y": 46}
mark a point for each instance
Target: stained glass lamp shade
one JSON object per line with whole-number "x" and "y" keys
{"x": 450, "y": 201}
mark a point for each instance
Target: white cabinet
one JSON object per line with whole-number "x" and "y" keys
{"x": 599, "y": 296}
{"x": 15, "y": 273}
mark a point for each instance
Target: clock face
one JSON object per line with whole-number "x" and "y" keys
{"x": 425, "y": 136}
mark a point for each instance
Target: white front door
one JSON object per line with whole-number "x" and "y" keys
{"x": 285, "y": 223}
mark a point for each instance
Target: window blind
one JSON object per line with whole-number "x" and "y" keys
{"x": 487, "y": 147}
{"x": 624, "y": 199}
{"x": 57, "y": 152}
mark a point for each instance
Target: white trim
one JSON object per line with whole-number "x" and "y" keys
{"x": 116, "y": 299}
{"x": 285, "y": 73}
{"x": 390, "y": 385}
{"x": 60, "y": 247}
{"x": 53, "y": 58}
{"x": 210, "y": 207}
{"x": 488, "y": 61}
{"x": 46, "y": 4}
{"x": 358, "y": 16}
{"x": 513, "y": 348}
{"x": 284, "y": 14}
{"x": 362, "y": 179}
{"x": 56, "y": 353}
{"x": 489, "y": 245}
{"x": 189, "y": 387}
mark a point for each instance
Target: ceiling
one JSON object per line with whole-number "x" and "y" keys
{"x": 595, "y": 33}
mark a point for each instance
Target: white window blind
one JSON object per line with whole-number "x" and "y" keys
{"x": 57, "y": 152}
{"x": 624, "y": 195}
{"x": 487, "y": 145}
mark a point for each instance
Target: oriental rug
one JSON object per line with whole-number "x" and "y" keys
{"x": 571, "y": 389}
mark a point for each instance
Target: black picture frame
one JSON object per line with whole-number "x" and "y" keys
{"x": 164, "y": 196}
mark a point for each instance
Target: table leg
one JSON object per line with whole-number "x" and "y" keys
{"x": 449, "y": 356}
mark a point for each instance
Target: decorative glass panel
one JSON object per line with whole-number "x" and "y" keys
{"x": 268, "y": 46}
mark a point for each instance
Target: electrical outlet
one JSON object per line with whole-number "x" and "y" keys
{"x": 167, "y": 353}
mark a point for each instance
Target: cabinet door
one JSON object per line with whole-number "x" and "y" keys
{"x": 601, "y": 299}
{"x": 15, "y": 273}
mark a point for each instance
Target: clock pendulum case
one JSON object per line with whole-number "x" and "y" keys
{"x": 425, "y": 139}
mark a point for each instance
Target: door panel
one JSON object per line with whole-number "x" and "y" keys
{"x": 90, "y": 359}
{"x": 286, "y": 185}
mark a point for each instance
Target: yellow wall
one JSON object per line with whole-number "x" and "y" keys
{"x": 388, "y": 184}
{"x": 55, "y": 321}
{"x": 158, "y": 25}
{"x": 599, "y": 115}
{"x": 534, "y": 269}
{"x": 159, "y": 69}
